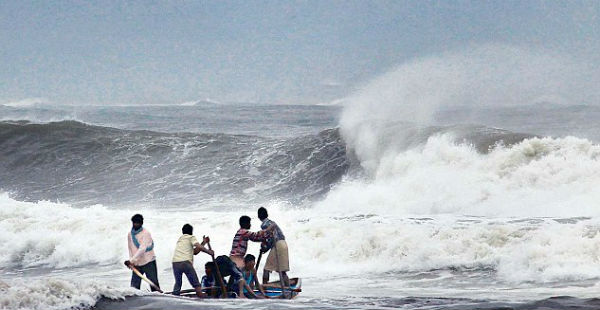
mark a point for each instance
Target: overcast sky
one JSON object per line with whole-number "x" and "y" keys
{"x": 108, "y": 52}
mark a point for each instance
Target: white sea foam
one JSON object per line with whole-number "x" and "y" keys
{"x": 57, "y": 294}
{"x": 511, "y": 191}
{"x": 537, "y": 177}
{"x": 200, "y": 102}
{"x": 323, "y": 242}
{"x": 57, "y": 235}
{"x": 27, "y": 102}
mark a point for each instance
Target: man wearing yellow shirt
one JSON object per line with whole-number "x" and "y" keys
{"x": 183, "y": 259}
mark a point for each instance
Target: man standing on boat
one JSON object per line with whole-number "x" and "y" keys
{"x": 183, "y": 260}
{"x": 278, "y": 259}
{"x": 141, "y": 253}
{"x": 240, "y": 241}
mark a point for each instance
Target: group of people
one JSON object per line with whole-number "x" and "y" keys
{"x": 238, "y": 266}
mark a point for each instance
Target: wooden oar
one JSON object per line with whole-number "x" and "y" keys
{"x": 260, "y": 253}
{"x": 139, "y": 274}
{"x": 193, "y": 290}
{"x": 223, "y": 289}
{"x": 258, "y": 261}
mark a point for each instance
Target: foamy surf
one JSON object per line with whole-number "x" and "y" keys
{"x": 511, "y": 250}
{"x": 537, "y": 177}
{"x": 34, "y": 294}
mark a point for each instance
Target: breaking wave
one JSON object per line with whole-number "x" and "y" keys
{"x": 75, "y": 162}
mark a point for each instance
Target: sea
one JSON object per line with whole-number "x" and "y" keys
{"x": 384, "y": 204}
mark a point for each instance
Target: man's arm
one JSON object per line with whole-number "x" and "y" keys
{"x": 129, "y": 250}
{"x": 200, "y": 248}
{"x": 257, "y": 236}
{"x": 271, "y": 227}
{"x": 258, "y": 286}
{"x": 268, "y": 233}
{"x": 243, "y": 285}
{"x": 144, "y": 244}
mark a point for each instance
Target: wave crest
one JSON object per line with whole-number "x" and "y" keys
{"x": 75, "y": 162}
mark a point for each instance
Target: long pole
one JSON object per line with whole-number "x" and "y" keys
{"x": 223, "y": 290}
{"x": 139, "y": 274}
{"x": 258, "y": 261}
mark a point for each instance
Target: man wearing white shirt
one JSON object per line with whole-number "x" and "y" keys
{"x": 141, "y": 253}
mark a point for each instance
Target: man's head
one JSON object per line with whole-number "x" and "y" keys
{"x": 249, "y": 261}
{"x": 245, "y": 222}
{"x": 187, "y": 229}
{"x": 208, "y": 268}
{"x": 137, "y": 221}
{"x": 262, "y": 213}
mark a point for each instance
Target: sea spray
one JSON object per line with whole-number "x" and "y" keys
{"x": 490, "y": 75}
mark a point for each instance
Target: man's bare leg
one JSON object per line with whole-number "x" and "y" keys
{"x": 241, "y": 289}
{"x": 286, "y": 279}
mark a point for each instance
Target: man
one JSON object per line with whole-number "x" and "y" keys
{"x": 251, "y": 278}
{"x": 240, "y": 241}
{"x": 278, "y": 259}
{"x": 210, "y": 285}
{"x": 236, "y": 281}
{"x": 183, "y": 260}
{"x": 141, "y": 253}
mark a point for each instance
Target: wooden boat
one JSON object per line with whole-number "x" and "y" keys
{"x": 272, "y": 289}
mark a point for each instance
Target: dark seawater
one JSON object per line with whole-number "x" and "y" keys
{"x": 84, "y": 164}
{"x": 553, "y": 303}
{"x": 265, "y": 121}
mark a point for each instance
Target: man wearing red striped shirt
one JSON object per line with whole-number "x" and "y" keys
{"x": 240, "y": 241}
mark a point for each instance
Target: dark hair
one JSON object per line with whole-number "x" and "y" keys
{"x": 245, "y": 221}
{"x": 210, "y": 265}
{"x": 249, "y": 258}
{"x": 138, "y": 218}
{"x": 187, "y": 229}
{"x": 262, "y": 213}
